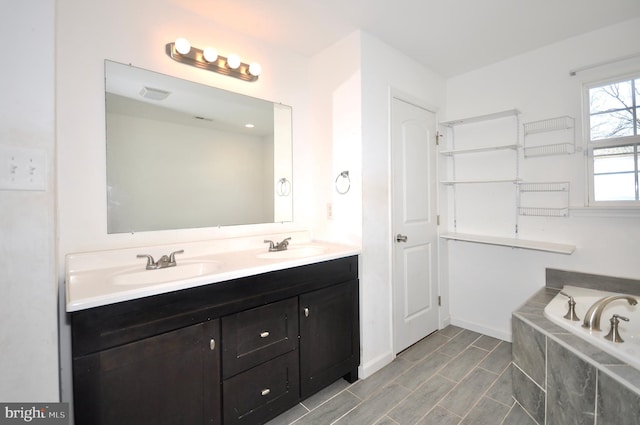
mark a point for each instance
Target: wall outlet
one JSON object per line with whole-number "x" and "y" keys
{"x": 22, "y": 168}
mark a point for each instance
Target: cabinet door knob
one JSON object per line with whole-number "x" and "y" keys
{"x": 266, "y": 391}
{"x": 264, "y": 334}
{"x": 212, "y": 344}
{"x": 306, "y": 312}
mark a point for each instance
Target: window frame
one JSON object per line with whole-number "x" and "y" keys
{"x": 633, "y": 140}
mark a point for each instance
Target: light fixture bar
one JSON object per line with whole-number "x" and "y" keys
{"x": 195, "y": 57}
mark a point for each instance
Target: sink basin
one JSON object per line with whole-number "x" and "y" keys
{"x": 293, "y": 252}
{"x": 184, "y": 270}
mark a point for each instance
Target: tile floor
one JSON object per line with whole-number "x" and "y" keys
{"x": 452, "y": 377}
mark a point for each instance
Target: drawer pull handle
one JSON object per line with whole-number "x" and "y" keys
{"x": 264, "y": 334}
{"x": 266, "y": 391}
{"x": 212, "y": 344}
{"x": 306, "y": 312}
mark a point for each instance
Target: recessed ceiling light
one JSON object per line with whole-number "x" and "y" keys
{"x": 249, "y": 125}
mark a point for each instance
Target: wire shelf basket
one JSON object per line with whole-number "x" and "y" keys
{"x": 545, "y": 187}
{"x": 550, "y": 124}
{"x": 543, "y": 212}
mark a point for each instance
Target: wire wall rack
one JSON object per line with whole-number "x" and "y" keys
{"x": 552, "y": 136}
{"x": 554, "y": 206}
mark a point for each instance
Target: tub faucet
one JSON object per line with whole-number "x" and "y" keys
{"x": 592, "y": 318}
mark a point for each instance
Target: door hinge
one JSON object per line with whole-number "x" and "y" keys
{"x": 438, "y": 220}
{"x": 438, "y": 136}
{"x": 439, "y": 301}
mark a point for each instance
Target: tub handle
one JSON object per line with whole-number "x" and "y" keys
{"x": 571, "y": 314}
{"x": 613, "y": 334}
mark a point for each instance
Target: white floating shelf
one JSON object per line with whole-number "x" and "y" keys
{"x": 480, "y": 118}
{"x": 478, "y": 150}
{"x": 451, "y": 182}
{"x": 511, "y": 242}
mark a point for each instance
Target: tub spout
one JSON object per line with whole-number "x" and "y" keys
{"x": 592, "y": 318}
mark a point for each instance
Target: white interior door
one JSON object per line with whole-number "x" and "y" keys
{"x": 415, "y": 284}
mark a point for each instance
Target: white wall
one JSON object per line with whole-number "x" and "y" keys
{"x": 486, "y": 282}
{"x": 126, "y": 32}
{"x": 384, "y": 71}
{"x": 136, "y": 33}
{"x": 350, "y": 130}
{"x": 28, "y": 286}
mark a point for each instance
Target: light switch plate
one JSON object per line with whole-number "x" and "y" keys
{"x": 22, "y": 168}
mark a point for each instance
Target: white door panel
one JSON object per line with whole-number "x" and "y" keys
{"x": 414, "y": 217}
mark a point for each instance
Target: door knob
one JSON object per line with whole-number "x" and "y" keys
{"x": 401, "y": 238}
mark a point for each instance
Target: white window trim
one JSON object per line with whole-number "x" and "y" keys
{"x": 622, "y": 208}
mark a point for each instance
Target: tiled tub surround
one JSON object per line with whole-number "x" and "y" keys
{"x": 629, "y": 351}
{"x": 559, "y": 378}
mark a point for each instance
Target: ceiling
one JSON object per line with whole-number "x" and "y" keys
{"x": 450, "y": 37}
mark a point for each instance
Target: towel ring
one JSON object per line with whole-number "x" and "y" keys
{"x": 283, "y": 187}
{"x": 343, "y": 183}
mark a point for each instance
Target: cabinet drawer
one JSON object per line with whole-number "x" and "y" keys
{"x": 262, "y": 393}
{"x": 254, "y": 336}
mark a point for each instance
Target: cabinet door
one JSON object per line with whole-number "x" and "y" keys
{"x": 172, "y": 378}
{"x": 329, "y": 336}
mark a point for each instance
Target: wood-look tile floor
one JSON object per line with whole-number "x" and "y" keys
{"x": 452, "y": 377}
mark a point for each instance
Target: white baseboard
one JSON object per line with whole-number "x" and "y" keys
{"x": 472, "y": 326}
{"x": 370, "y": 367}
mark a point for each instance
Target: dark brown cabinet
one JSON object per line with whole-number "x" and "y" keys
{"x": 329, "y": 336}
{"x": 173, "y": 378}
{"x": 236, "y": 352}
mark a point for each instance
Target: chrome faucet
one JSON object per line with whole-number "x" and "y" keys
{"x": 279, "y": 246}
{"x": 164, "y": 261}
{"x": 592, "y": 318}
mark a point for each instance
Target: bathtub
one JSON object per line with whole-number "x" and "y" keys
{"x": 629, "y": 350}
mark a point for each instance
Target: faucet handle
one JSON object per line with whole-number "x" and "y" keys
{"x": 285, "y": 242}
{"x": 151, "y": 264}
{"x": 614, "y": 334}
{"x": 172, "y": 256}
{"x": 571, "y": 314}
{"x": 271, "y": 244}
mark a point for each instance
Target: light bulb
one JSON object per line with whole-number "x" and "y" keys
{"x": 210, "y": 54}
{"x": 182, "y": 46}
{"x": 233, "y": 61}
{"x": 255, "y": 69}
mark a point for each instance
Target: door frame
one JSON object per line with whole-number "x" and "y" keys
{"x": 395, "y": 93}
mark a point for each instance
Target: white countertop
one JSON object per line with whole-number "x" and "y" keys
{"x": 100, "y": 278}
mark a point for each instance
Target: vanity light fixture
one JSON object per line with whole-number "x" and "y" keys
{"x": 182, "y": 51}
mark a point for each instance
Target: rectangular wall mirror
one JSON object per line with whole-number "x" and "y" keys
{"x": 186, "y": 155}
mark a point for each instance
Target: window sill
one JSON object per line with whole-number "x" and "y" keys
{"x": 598, "y": 211}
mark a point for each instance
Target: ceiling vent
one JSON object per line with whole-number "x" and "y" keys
{"x": 154, "y": 94}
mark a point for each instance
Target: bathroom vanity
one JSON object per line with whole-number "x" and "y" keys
{"x": 237, "y": 351}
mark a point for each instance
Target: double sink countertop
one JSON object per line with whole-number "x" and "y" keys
{"x": 99, "y": 278}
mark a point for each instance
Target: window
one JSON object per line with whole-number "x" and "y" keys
{"x": 614, "y": 141}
